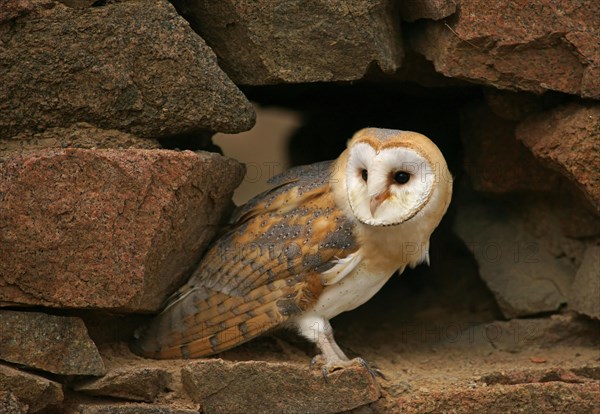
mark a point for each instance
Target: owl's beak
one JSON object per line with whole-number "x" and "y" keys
{"x": 376, "y": 201}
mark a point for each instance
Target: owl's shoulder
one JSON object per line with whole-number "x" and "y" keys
{"x": 288, "y": 188}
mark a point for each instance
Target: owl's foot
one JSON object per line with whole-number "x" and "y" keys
{"x": 335, "y": 364}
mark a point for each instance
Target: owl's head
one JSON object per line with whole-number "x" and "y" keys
{"x": 391, "y": 176}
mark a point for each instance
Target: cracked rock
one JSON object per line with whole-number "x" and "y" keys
{"x": 567, "y": 139}
{"x": 530, "y": 46}
{"x": 585, "y": 291}
{"x": 32, "y": 390}
{"x": 225, "y": 387}
{"x": 56, "y": 344}
{"x": 522, "y": 256}
{"x": 496, "y": 161}
{"x": 129, "y": 383}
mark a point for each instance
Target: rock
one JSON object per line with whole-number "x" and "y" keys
{"x": 585, "y": 291}
{"x": 80, "y": 135}
{"x": 135, "y": 66}
{"x": 537, "y": 398}
{"x": 11, "y": 9}
{"x": 56, "y": 344}
{"x": 123, "y": 408}
{"x": 427, "y": 9}
{"x": 10, "y": 405}
{"x": 225, "y": 387}
{"x": 520, "y": 253}
{"x": 567, "y": 139}
{"x": 495, "y": 160}
{"x": 129, "y": 383}
{"x": 78, "y": 3}
{"x": 266, "y": 42}
{"x": 34, "y": 391}
{"x": 518, "y": 335}
{"x": 513, "y": 106}
{"x": 530, "y": 376}
{"x": 546, "y": 45}
{"x": 108, "y": 229}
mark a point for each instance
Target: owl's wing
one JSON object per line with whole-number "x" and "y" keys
{"x": 285, "y": 245}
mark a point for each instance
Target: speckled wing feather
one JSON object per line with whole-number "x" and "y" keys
{"x": 266, "y": 268}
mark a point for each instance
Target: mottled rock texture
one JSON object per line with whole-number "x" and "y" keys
{"x": 56, "y": 344}
{"x": 269, "y": 42}
{"x": 538, "y": 398}
{"x": 495, "y": 160}
{"x": 225, "y": 387}
{"x": 129, "y": 383}
{"x": 135, "y": 66}
{"x": 521, "y": 254}
{"x": 10, "y": 405}
{"x": 567, "y": 139}
{"x": 110, "y": 229}
{"x": 79, "y": 135}
{"x": 33, "y": 391}
{"x": 585, "y": 291}
{"x": 124, "y": 408}
{"x": 427, "y": 9}
{"x": 11, "y": 9}
{"x": 518, "y": 45}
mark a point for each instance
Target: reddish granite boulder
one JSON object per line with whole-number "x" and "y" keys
{"x": 109, "y": 229}
{"x": 518, "y": 45}
{"x": 495, "y": 160}
{"x": 567, "y": 139}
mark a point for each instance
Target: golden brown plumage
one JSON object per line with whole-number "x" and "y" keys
{"x": 265, "y": 269}
{"x": 322, "y": 241}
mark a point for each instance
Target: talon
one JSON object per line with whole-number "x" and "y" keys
{"x": 313, "y": 362}
{"x": 374, "y": 372}
{"x": 324, "y": 373}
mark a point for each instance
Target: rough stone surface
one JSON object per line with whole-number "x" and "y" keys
{"x": 427, "y": 9}
{"x": 129, "y": 383}
{"x": 34, "y": 391}
{"x": 56, "y": 344}
{"x": 518, "y": 335}
{"x": 495, "y": 160}
{"x": 514, "y": 106}
{"x": 124, "y": 408}
{"x": 266, "y": 42}
{"x": 567, "y": 139}
{"x": 135, "y": 66}
{"x": 585, "y": 291}
{"x": 10, "y": 405}
{"x": 225, "y": 387}
{"x": 111, "y": 229}
{"x": 538, "y": 398}
{"x": 11, "y": 9}
{"x": 80, "y": 135}
{"x": 78, "y": 3}
{"x": 525, "y": 269}
{"x": 529, "y": 376}
{"x": 518, "y": 45}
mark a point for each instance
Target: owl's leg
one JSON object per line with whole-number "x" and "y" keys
{"x": 319, "y": 331}
{"x": 331, "y": 358}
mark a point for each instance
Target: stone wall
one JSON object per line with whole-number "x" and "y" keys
{"x": 110, "y": 190}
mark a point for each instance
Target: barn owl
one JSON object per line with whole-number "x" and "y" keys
{"x": 322, "y": 241}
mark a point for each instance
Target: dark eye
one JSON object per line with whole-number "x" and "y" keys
{"x": 364, "y": 174}
{"x": 401, "y": 177}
